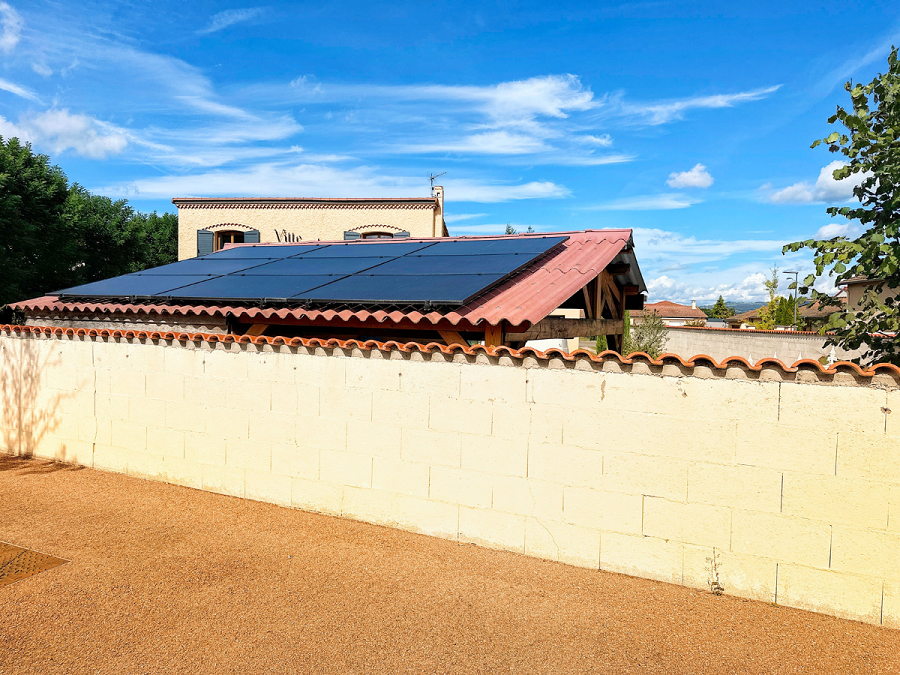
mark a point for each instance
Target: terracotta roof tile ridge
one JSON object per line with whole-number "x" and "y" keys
{"x": 750, "y": 330}
{"x": 474, "y": 350}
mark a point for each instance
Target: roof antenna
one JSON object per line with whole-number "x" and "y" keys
{"x": 434, "y": 176}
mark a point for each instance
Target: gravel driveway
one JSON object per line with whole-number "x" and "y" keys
{"x": 165, "y": 579}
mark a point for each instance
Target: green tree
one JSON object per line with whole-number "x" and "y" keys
{"x": 720, "y": 310}
{"x": 602, "y": 344}
{"x": 870, "y": 142}
{"x": 649, "y": 336}
{"x": 56, "y": 236}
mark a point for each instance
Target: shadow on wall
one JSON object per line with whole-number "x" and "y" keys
{"x": 26, "y": 419}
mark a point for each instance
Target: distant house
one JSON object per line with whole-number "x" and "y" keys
{"x": 857, "y": 286}
{"x": 206, "y": 225}
{"x": 811, "y": 316}
{"x": 672, "y": 313}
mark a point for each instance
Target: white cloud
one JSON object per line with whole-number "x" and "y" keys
{"x": 664, "y": 202}
{"x": 58, "y": 130}
{"x": 603, "y": 141}
{"x": 42, "y": 69}
{"x": 488, "y": 143}
{"x": 10, "y": 27}
{"x": 689, "y": 249}
{"x": 13, "y": 88}
{"x": 747, "y": 289}
{"x": 230, "y": 17}
{"x": 667, "y": 111}
{"x": 826, "y": 188}
{"x": 283, "y": 179}
{"x": 698, "y": 177}
{"x": 458, "y": 217}
{"x": 833, "y": 230}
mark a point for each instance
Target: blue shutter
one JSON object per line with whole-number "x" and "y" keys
{"x": 401, "y": 234}
{"x": 204, "y": 242}
{"x": 251, "y": 237}
{"x": 351, "y": 235}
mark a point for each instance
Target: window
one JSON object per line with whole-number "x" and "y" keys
{"x": 228, "y": 237}
{"x": 378, "y": 235}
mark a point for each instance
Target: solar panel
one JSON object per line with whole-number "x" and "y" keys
{"x": 396, "y": 272}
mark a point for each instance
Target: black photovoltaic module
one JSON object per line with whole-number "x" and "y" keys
{"x": 384, "y": 273}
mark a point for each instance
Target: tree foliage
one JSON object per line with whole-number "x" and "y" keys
{"x": 649, "y": 336}
{"x": 57, "y": 235}
{"x": 720, "y": 310}
{"x": 870, "y": 142}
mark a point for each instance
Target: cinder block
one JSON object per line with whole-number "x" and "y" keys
{"x": 224, "y": 480}
{"x": 698, "y": 524}
{"x": 373, "y": 374}
{"x": 241, "y": 453}
{"x": 643, "y": 475}
{"x": 186, "y": 416}
{"x": 570, "y": 544}
{"x": 659, "y": 559}
{"x": 182, "y": 360}
{"x": 894, "y": 508}
{"x": 842, "y": 595}
{"x": 92, "y": 430}
{"x": 224, "y": 364}
{"x": 295, "y": 460}
{"x": 510, "y": 421}
{"x": 128, "y": 435}
{"x": 555, "y": 387}
{"x": 162, "y": 441}
{"x": 267, "y": 487}
{"x": 462, "y": 416}
{"x": 147, "y": 412}
{"x": 127, "y": 383}
{"x": 112, "y": 407}
{"x": 273, "y": 428}
{"x": 430, "y": 447}
{"x": 744, "y": 576}
{"x": 146, "y": 465}
{"x": 320, "y": 371}
{"x": 806, "y": 449}
{"x": 492, "y": 529}
{"x": 427, "y": 517}
{"x": 370, "y": 506}
{"x": 546, "y": 424}
{"x": 345, "y": 403}
{"x": 740, "y": 487}
{"x": 179, "y": 471}
{"x": 494, "y": 384}
{"x": 198, "y": 388}
{"x": 345, "y": 468}
{"x": 285, "y": 398}
{"x": 263, "y": 366}
{"x": 890, "y": 611}
{"x": 255, "y": 396}
{"x": 873, "y": 456}
{"x": 317, "y": 496}
{"x": 73, "y": 451}
{"x": 421, "y": 379}
{"x": 373, "y": 438}
{"x": 867, "y": 552}
{"x": 204, "y": 448}
{"x": 228, "y": 422}
{"x": 791, "y": 540}
{"x": 607, "y": 511}
{"x": 457, "y": 486}
{"x": 565, "y": 464}
{"x": 892, "y": 419}
{"x": 830, "y": 406}
{"x": 835, "y": 500}
{"x": 401, "y": 409}
{"x": 324, "y": 434}
{"x": 528, "y": 497}
{"x": 395, "y": 475}
{"x": 500, "y": 456}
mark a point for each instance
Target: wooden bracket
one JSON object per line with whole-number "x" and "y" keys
{"x": 452, "y": 337}
{"x": 257, "y": 329}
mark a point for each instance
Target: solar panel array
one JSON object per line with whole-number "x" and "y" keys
{"x": 390, "y": 273}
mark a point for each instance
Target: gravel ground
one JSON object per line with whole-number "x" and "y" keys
{"x": 165, "y": 579}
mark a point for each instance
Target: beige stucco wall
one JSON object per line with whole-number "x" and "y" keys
{"x": 752, "y": 345}
{"x": 789, "y": 491}
{"x": 306, "y": 223}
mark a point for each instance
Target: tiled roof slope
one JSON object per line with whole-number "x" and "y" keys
{"x": 670, "y": 310}
{"x": 522, "y": 300}
{"x": 814, "y": 368}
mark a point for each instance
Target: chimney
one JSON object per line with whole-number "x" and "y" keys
{"x": 693, "y": 304}
{"x": 438, "y": 192}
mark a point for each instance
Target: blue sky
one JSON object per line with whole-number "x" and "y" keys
{"x": 687, "y": 122}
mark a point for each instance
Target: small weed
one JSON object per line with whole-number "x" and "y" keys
{"x": 715, "y": 585}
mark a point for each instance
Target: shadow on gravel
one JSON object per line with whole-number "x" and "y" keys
{"x": 26, "y": 465}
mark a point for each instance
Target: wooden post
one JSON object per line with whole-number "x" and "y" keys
{"x": 493, "y": 335}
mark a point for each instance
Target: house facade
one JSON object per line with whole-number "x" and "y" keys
{"x": 206, "y": 225}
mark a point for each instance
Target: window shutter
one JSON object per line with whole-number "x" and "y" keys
{"x": 251, "y": 237}
{"x": 351, "y": 235}
{"x": 400, "y": 234}
{"x": 204, "y": 242}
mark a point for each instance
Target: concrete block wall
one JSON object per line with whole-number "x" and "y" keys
{"x": 780, "y": 491}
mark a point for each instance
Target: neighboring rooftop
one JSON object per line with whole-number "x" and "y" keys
{"x": 670, "y": 310}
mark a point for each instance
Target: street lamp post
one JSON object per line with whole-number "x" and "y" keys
{"x": 796, "y": 288}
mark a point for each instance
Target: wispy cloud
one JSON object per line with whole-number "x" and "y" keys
{"x": 698, "y": 177}
{"x": 10, "y": 27}
{"x": 654, "y": 114}
{"x": 22, "y": 92}
{"x": 60, "y": 130}
{"x": 825, "y": 190}
{"x": 664, "y": 202}
{"x": 459, "y": 217}
{"x": 230, "y": 17}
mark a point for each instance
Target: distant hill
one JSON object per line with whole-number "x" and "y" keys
{"x": 740, "y": 307}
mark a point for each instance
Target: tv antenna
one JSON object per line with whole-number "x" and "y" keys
{"x": 434, "y": 176}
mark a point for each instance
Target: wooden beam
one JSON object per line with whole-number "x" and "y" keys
{"x": 453, "y": 338}
{"x": 588, "y": 301}
{"x": 493, "y": 335}
{"x": 631, "y": 290}
{"x": 560, "y": 327}
{"x": 618, "y": 268}
{"x": 257, "y": 329}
